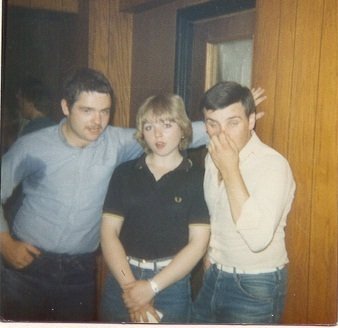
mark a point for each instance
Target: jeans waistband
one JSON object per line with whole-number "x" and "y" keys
{"x": 65, "y": 256}
{"x": 230, "y": 269}
{"x": 149, "y": 264}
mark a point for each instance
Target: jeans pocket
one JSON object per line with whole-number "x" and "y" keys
{"x": 257, "y": 286}
{"x": 32, "y": 267}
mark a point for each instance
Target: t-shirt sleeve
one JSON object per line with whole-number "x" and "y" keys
{"x": 199, "y": 213}
{"x": 114, "y": 199}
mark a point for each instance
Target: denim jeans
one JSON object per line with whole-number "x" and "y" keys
{"x": 52, "y": 288}
{"x": 240, "y": 298}
{"x": 174, "y": 301}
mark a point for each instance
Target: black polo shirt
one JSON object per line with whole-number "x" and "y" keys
{"x": 156, "y": 213}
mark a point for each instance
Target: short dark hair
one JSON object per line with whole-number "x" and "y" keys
{"x": 226, "y": 93}
{"x": 35, "y": 91}
{"x": 85, "y": 80}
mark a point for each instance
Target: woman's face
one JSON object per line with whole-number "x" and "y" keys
{"x": 162, "y": 135}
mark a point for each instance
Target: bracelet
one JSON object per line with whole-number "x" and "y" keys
{"x": 154, "y": 286}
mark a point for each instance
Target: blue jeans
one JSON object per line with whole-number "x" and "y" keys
{"x": 174, "y": 301}
{"x": 240, "y": 298}
{"x": 52, "y": 288}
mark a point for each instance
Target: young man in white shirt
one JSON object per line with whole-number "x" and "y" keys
{"x": 249, "y": 189}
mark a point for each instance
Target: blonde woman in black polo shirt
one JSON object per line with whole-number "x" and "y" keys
{"x": 155, "y": 226}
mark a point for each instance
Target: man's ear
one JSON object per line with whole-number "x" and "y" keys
{"x": 252, "y": 121}
{"x": 64, "y": 107}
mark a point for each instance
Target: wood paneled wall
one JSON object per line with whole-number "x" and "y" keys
{"x": 57, "y": 5}
{"x": 295, "y": 60}
{"x": 110, "y": 46}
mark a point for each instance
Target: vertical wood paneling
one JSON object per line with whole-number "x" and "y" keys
{"x": 140, "y": 5}
{"x": 153, "y": 54}
{"x": 120, "y": 46}
{"x": 304, "y": 120}
{"x": 295, "y": 236}
{"x": 50, "y": 5}
{"x": 323, "y": 248}
{"x": 72, "y": 5}
{"x": 265, "y": 61}
{"x": 57, "y": 5}
{"x": 99, "y": 35}
{"x": 21, "y": 3}
{"x": 110, "y": 35}
{"x": 284, "y": 67}
{"x": 301, "y": 151}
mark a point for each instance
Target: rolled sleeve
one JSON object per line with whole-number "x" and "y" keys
{"x": 267, "y": 207}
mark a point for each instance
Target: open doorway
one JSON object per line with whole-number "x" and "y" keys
{"x": 209, "y": 36}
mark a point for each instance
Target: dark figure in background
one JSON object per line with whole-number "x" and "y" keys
{"x": 35, "y": 104}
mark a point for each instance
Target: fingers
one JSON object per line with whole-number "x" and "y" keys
{"x": 143, "y": 315}
{"x": 257, "y": 91}
{"x": 146, "y": 314}
{"x": 220, "y": 141}
{"x": 23, "y": 261}
{"x": 154, "y": 313}
{"x": 21, "y": 256}
{"x": 258, "y": 95}
{"x": 33, "y": 250}
{"x": 135, "y": 316}
{"x": 139, "y": 315}
{"x": 259, "y": 115}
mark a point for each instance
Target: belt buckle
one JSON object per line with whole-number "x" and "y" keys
{"x": 143, "y": 261}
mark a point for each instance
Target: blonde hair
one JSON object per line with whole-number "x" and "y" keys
{"x": 169, "y": 107}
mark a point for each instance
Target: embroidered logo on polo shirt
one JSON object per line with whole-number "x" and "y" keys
{"x": 178, "y": 199}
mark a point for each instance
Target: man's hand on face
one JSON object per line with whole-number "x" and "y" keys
{"x": 224, "y": 153}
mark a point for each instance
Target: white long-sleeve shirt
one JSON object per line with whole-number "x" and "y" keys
{"x": 256, "y": 242}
